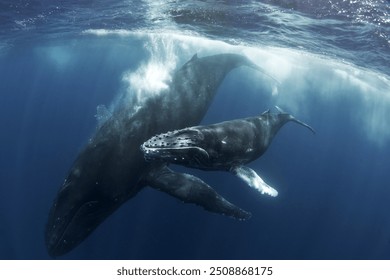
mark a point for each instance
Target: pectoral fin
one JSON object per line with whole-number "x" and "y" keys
{"x": 250, "y": 177}
{"x": 191, "y": 189}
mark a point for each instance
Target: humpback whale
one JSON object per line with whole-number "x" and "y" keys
{"x": 223, "y": 146}
{"x": 111, "y": 168}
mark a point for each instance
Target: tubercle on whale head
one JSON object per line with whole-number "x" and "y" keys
{"x": 180, "y": 146}
{"x": 172, "y": 139}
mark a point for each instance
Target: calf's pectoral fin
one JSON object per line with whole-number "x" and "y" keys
{"x": 250, "y": 177}
{"x": 191, "y": 189}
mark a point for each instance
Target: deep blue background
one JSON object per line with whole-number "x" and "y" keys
{"x": 333, "y": 188}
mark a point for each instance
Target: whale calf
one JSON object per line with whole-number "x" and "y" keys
{"x": 111, "y": 169}
{"x": 224, "y": 146}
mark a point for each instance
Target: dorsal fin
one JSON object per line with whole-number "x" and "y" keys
{"x": 194, "y": 57}
{"x": 266, "y": 112}
{"x": 280, "y": 110}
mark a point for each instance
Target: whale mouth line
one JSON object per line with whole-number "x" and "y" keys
{"x": 54, "y": 246}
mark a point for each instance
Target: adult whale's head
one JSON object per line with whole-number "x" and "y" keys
{"x": 218, "y": 146}
{"x": 111, "y": 168}
{"x": 88, "y": 195}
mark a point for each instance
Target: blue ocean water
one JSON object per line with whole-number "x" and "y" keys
{"x": 60, "y": 60}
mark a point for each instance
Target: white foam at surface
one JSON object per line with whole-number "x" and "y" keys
{"x": 153, "y": 76}
{"x": 166, "y": 51}
{"x": 302, "y": 76}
